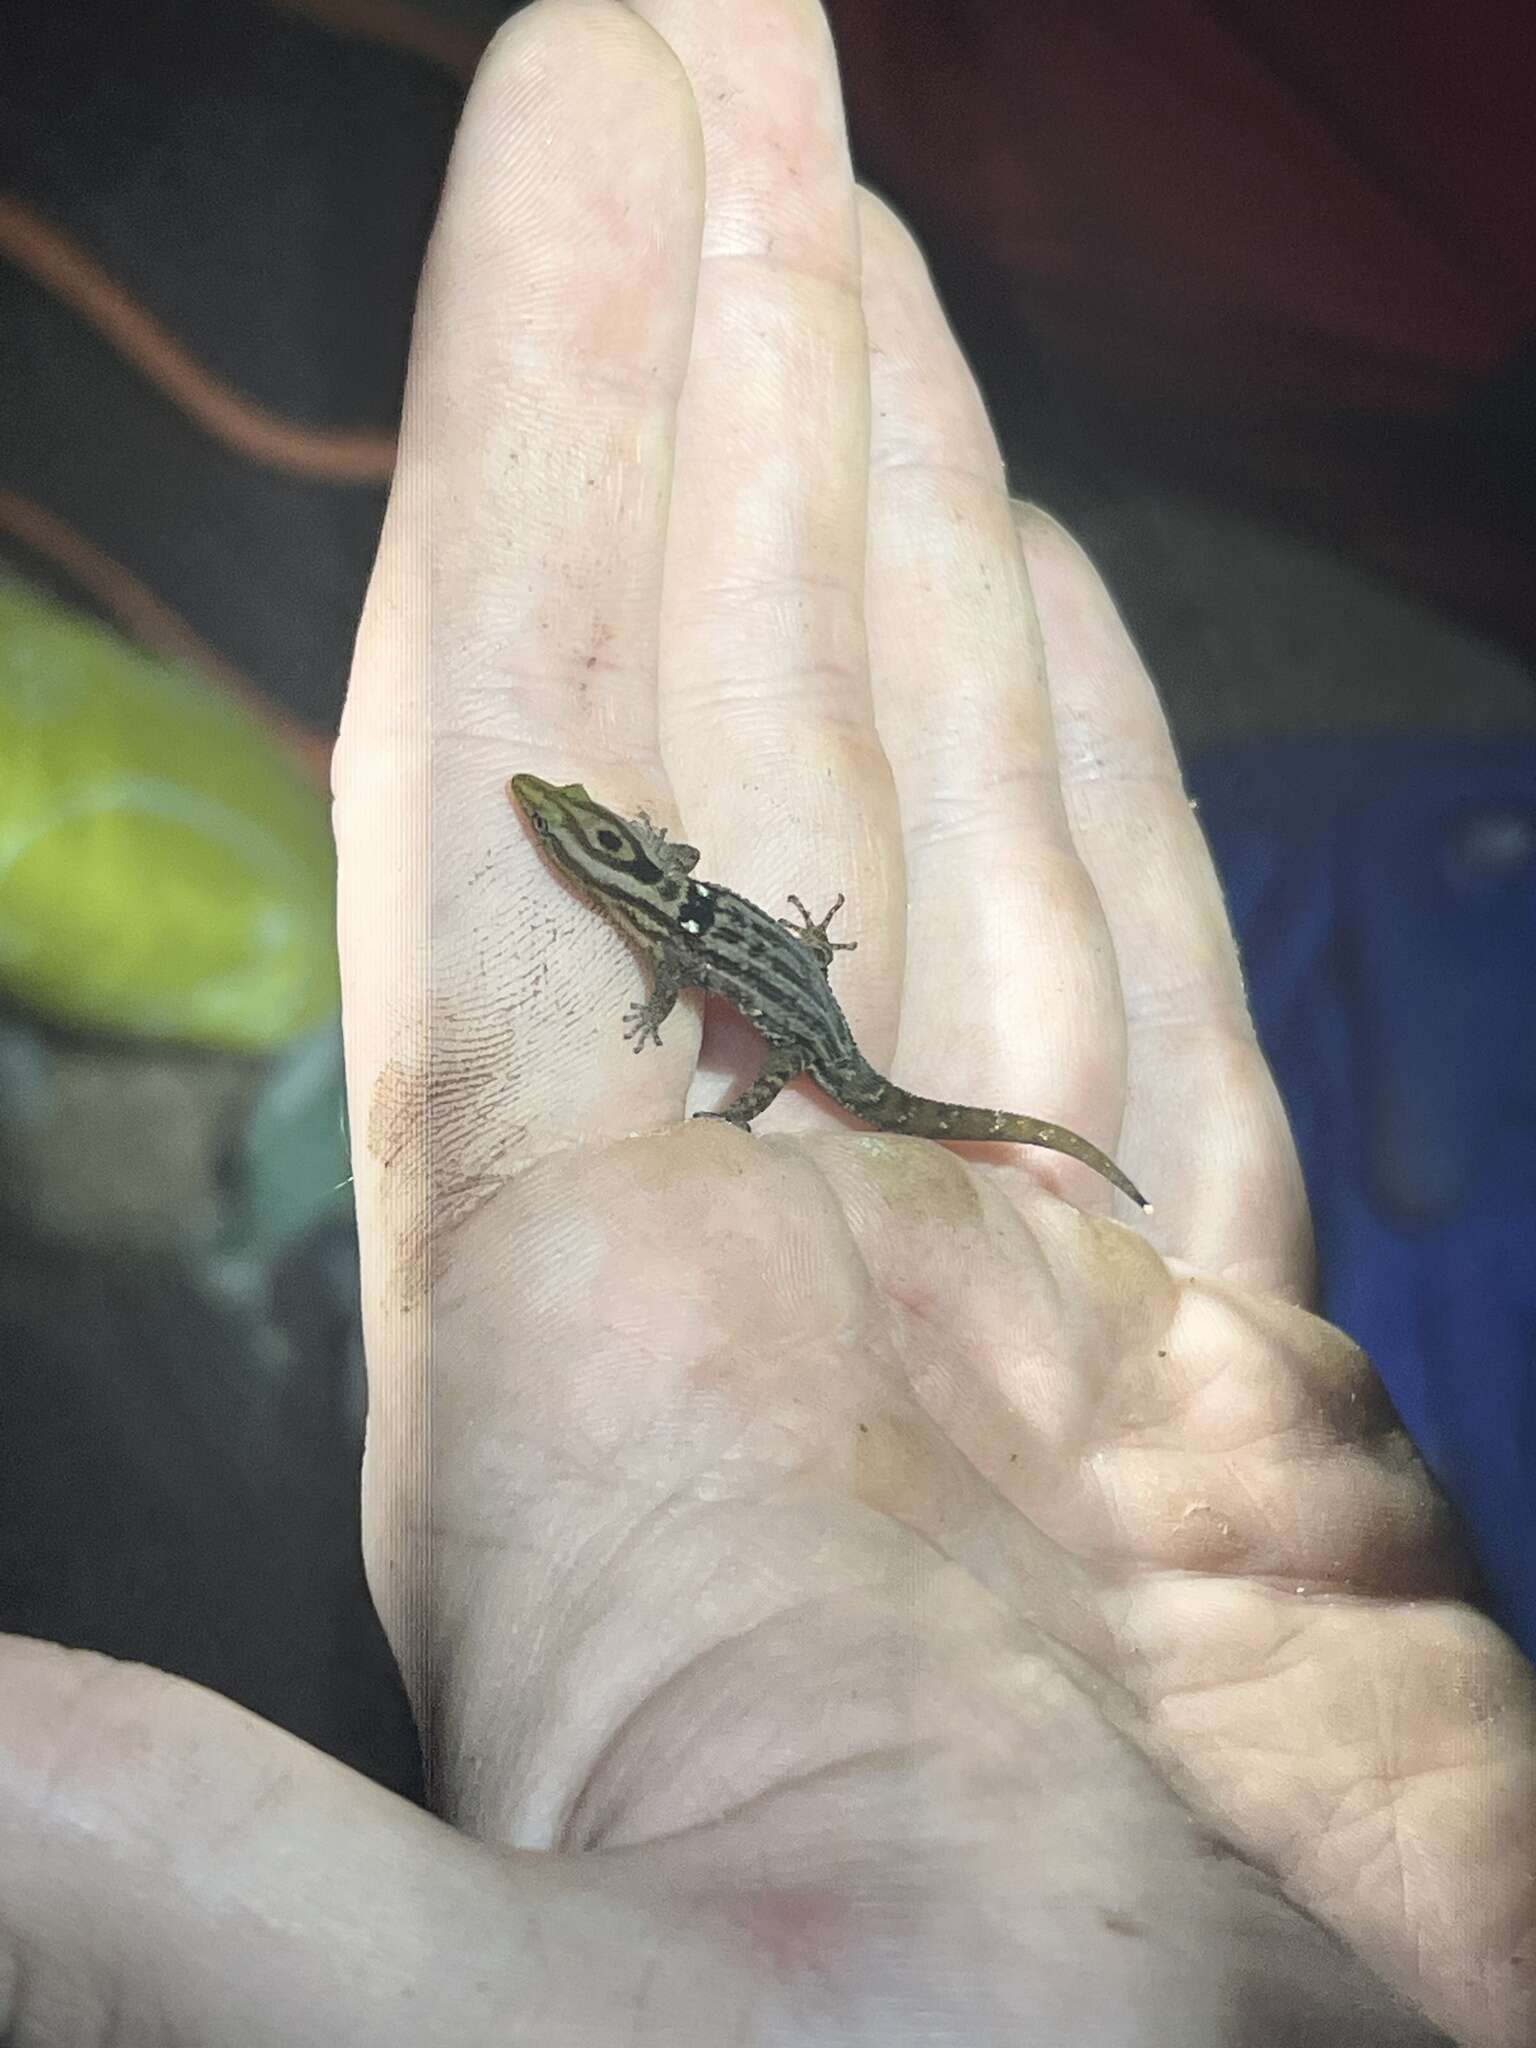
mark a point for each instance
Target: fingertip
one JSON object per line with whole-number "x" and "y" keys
{"x": 567, "y": 238}
{"x": 891, "y": 256}
{"x": 553, "y": 76}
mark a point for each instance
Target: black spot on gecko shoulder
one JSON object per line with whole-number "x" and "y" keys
{"x": 697, "y": 914}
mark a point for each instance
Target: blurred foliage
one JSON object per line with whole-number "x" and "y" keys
{"x": 165, "y": 871}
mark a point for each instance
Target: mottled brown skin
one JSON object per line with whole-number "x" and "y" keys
{"x": 700, "y": 935}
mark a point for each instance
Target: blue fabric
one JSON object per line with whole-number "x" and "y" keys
{"x": 1384, "y": 893}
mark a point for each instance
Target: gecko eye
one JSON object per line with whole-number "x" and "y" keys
{"x": 610, "y": 842}
{"x": 541, "y": 825}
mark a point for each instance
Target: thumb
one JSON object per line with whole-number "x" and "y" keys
{"x": 175, "y": 1869}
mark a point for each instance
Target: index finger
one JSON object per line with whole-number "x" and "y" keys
{"x": 511, "y": 624}
{"x": 512, "y": 619}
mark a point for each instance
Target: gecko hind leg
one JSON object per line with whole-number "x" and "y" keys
{"x": 777, "y": 1074}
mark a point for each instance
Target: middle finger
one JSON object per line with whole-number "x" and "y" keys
{"x": 766, "y": 724}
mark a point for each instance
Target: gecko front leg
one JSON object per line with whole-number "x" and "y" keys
{"x": 643, "y": 1021}
{"x": 672, "y": 856}
{"x": 812, "y": 932}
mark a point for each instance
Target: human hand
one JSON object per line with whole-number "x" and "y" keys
{"x": 889, "y": 1599}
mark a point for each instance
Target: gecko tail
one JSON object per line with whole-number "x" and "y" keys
{"x": 891, "y": 1108}
{"x": 955, "y": 1123}
{"x": 1029, "y": 1130}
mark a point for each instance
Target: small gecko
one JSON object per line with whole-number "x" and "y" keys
{"x": 700, "y": 935}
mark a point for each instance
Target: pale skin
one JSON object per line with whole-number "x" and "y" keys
{"x": 851, "y": 1591}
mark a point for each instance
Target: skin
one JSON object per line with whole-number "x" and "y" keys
{"x": 851, "y": 1592}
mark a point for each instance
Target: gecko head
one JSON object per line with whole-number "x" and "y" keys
{"x": 591, "y": 843}
{"x": 549, "y": 807}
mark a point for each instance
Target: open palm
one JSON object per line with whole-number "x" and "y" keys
{"x": 894, "y": 1598}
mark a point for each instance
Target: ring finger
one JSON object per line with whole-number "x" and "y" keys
{"x": 1012, "y": 991}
